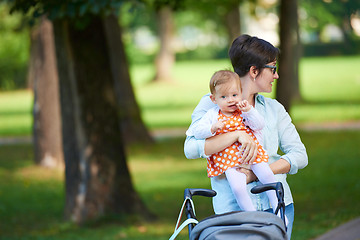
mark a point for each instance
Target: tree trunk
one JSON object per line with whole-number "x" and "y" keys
{"x": 232, "y": 21}
{"x": 46, "y": 111}
{"x": 132, "y": 126}
{"x": 296, "y": 81}
{"x": 97, "y": 179}
{"x": 347, "y": 31}
{"x": 288, "y": 43}
{"x": 166, "y": 57}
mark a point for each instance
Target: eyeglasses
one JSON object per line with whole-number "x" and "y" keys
{"x": 272, "y": 67}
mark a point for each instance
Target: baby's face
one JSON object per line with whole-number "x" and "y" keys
{"x": 227, "y": 96}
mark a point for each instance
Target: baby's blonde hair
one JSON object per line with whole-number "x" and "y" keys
{"x": 222, "y": 77}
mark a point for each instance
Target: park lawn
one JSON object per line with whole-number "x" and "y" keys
{"x": 329, "y": 85}
{"x": 15, "y": 113}
{"x": 326, "y": 192}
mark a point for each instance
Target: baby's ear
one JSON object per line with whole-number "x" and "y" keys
{"x": 212, "y": 97}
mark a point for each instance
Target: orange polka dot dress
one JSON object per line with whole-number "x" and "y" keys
{"x": 219, "y": 162}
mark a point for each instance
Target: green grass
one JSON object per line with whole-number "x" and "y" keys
{"x": 326, "y": 192}
{"x": 15, "y": 113}
{"x": 330, "y": 88}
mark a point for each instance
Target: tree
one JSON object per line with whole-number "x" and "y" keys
{"x": 226, "y": 12}
{"x": 14, "y": 54}
{"x": 322, "y": 13}
{"x": 232, "y": 19}
{"x": 132, "y": 126}
{"x": 165, "y": 58}
{"x": 288, "y": 62}
{"x": 46, "y": 110}
{"x": 97, "y": 179}
{"x": 44, "y": 78}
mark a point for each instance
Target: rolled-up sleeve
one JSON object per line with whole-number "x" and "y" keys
{"x": 194, "y": 148}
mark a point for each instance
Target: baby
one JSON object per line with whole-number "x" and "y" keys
{"x": 231, "y": 113}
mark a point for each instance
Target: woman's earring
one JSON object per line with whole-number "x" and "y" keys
{"x": 254, "y": 79}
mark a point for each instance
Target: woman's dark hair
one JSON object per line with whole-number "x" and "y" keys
{"x": 247, "y": 51}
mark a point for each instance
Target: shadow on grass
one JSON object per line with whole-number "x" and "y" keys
{"x": 13, "y": 157}
{"x": 326, "y": 192}
{"x": 14, "y": 113}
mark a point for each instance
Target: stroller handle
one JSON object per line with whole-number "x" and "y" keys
{"x": 189, "y": 192}
{"x": 279, "y": 189}
{"x": 277, "y": 186}
{"x": 189, "y": 208}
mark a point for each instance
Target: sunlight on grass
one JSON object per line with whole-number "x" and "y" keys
{"x": 330, "y": 79}
{"x": 15, "y": 113}
{"x": 326, "y": 112}
{"x": 330, "y": 87}
{"x": 15, "y": 101}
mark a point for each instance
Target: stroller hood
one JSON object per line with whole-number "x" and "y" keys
{"x": 240, "y": 225}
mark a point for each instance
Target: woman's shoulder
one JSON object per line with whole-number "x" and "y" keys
{"x": 270, "y": 102}
{"x": 205, "y": 102}
{"x": 262, "y": 98}
{"x": 272, "y": 106}
{"x": 203, "y": 106}
{"x": 213, "y": 112}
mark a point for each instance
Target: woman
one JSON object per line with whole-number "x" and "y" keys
{"x": 254, "y": 60}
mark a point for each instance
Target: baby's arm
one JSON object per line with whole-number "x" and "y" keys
{"x": 252, "y": 117}
{"x": 217, "y": 126}
{"x": 244, "y": 106}
{"x": 205, "y": 127}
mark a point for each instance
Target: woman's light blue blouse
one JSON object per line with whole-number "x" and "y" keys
{"x": 279, "y": 133}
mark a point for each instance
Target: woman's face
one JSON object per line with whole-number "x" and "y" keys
{"x": 264, "y": 81}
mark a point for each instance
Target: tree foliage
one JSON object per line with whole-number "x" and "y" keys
{"x": 14, "y": 44}
{"x": 67, "y": 8}
{"x": 324, "y": 12}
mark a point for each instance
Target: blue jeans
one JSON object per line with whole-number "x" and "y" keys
{"x": 289, "y": 212}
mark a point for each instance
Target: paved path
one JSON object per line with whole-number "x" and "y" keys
{"x": 14, "y": 140}
{"x": 330, "y": 126}
{"x": 347, "y": 231}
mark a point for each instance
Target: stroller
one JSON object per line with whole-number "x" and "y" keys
{"x": 234, "y": 225}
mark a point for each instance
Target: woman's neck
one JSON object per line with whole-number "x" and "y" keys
{"x": 247, "y": 93}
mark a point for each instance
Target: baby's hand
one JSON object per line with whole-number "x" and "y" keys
{"x": 244, "y": 106}
{"x": 217, "y": 126}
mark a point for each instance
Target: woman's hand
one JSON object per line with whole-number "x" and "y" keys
{"x": 250, "y": 176}
{"x": 218, "y": 143}
{"x": 248, "y": 148}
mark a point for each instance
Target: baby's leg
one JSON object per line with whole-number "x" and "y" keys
{"x": 237, "y": 182}
{"x": 265, "y": 175}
